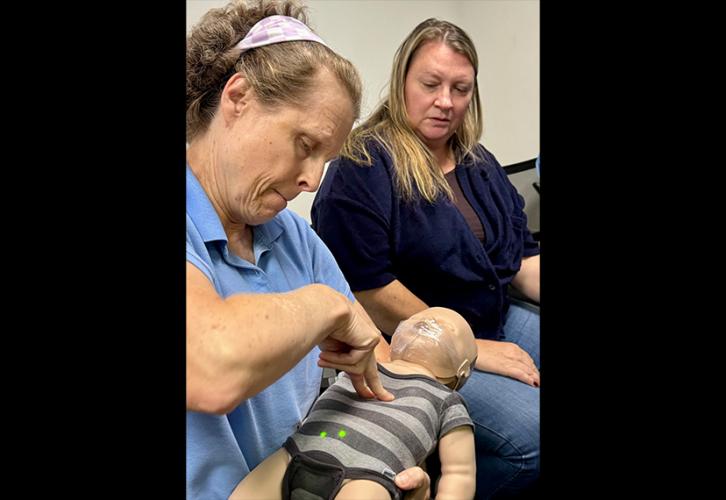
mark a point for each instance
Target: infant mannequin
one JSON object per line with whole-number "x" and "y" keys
{"x": 352, "y": 448}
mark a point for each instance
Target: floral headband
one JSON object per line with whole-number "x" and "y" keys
{"x": 276, "y": 29}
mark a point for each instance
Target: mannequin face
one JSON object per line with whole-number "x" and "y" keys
{"x": 439, "y": 339}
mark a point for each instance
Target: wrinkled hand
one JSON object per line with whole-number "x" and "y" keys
{"x": 508, "y": 359}
{"x": 416, "y": 482}
{"x": 350, "y": 349}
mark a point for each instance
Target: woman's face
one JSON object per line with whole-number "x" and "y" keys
{"x": 439, "y": 86}
{"x": 279, "y": 152}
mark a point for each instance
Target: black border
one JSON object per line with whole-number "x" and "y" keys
{"x": 99, "y": 247}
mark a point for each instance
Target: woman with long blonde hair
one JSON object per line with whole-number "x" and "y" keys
{"x": 418, "y": 214}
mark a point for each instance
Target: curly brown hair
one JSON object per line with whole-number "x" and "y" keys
{"x": 278, "y": 73}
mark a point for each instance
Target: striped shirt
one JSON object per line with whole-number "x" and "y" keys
{"x": 378, "y": 436}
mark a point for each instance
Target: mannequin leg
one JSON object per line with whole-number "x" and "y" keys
{"x": 265, "y": 480}
{"x": 506, "y": 415}
{"x": 361, "y": 489}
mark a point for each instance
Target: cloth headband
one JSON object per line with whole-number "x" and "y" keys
{"x": 276, "y": 29}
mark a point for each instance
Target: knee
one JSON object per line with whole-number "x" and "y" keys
{"x": 525, "y": 442}
{"x": 525, "y": 460}
{"x": 516, "y": 442}
{"x": 509, "y": 469}
{"x": 522, "y": 456}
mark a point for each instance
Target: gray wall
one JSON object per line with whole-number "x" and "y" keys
{"x": 506, "y": 34}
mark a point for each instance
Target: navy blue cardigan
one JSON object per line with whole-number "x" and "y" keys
{"x": 376, "y": 237}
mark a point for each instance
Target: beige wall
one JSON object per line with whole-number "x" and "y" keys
{"x": 506, "y": 34}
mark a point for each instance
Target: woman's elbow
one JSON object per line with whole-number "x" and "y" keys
{"x": 215, "y": 380}
{"x": 217, "y": 391}
{"x": 214, "y": 401}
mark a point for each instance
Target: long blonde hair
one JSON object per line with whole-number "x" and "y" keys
{"x": 413, "y": 162}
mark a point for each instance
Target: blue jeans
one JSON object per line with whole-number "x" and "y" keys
{"x": 506, "y": 417}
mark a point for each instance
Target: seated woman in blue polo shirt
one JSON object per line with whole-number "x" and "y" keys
{"x": 267, "y": 104}
{"x": 418, "y": 214}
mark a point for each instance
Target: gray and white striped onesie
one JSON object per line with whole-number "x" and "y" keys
{"x": 374, "y": 439}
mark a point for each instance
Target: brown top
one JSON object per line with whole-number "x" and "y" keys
{"x": 472, "y": 220}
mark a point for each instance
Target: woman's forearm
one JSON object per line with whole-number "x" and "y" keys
{"x": 239, "y": 345}
{"x": 527, "y": 279}
{"x": 390, "y": 304}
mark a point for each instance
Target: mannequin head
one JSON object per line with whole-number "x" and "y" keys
{"x": 440, "y": 340}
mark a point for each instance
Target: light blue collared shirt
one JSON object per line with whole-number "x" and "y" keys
{"x": 221, "y": 450}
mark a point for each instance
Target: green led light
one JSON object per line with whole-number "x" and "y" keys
{"x": 323, "y": 434}
{"x": 341, "y": 433}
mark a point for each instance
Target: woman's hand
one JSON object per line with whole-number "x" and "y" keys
{"x": 359, "y": 364}
{"x": 506, "y": 358}
{"x": 351, "y": 349}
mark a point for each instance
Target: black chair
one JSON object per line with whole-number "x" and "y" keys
{"x": 515, "y": 296}
{"x": 524, "y": 166}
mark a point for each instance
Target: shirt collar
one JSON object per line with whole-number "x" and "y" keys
{"x": 207, "y": 221}
{"x": 201, "y": 211}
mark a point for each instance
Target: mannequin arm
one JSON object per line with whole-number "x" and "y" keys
{"x": 458, "y": 465}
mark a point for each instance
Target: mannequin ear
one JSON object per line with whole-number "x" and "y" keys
{"x": 464, "y": 369}
{"x": 236, "y": 96}
{"x": 462, "y": 374}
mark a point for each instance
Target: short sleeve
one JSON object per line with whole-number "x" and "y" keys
{"x": 454, "y": 414}
{"x": 196, "y": 251}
